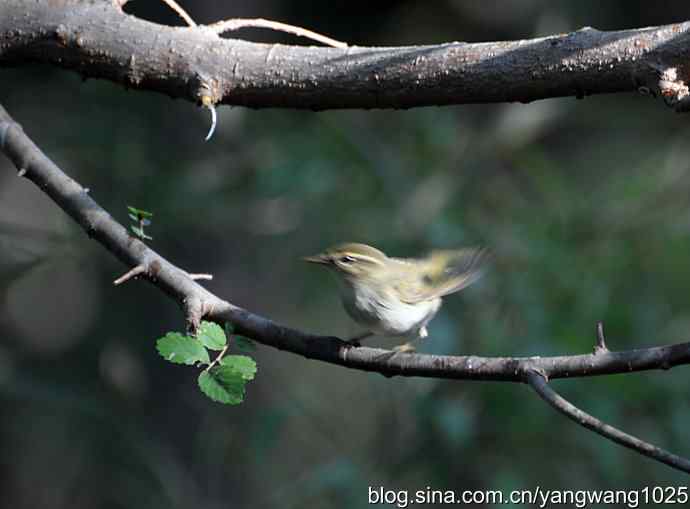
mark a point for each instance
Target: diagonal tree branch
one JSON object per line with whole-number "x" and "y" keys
{"x": 199, "y": 303}
{"x": 541, "y": 386}
{"x": 97, "y": 39}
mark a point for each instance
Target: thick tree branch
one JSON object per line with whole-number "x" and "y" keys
{"x": 541, "y": 387}
{"x": 199, "y": 303}
{"x": 98, "y": 40}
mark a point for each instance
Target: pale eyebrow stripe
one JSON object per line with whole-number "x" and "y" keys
{"x": 365, "y": 258}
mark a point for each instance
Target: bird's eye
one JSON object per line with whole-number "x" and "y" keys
{"x": 346, "y": 259}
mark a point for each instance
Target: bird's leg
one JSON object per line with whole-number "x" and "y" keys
{"x": 355, "y": 340}
{"x": 409, "y": 347}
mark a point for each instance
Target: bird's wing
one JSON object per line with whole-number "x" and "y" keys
{"x": 443, "y": 272}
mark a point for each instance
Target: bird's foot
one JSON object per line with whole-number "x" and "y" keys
{"x": 404, "y": 348}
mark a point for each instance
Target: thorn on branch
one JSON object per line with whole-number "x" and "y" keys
{"x": 197, "y": 277}
{"x": 132, "y": 273}
{"x": 600, "y": 347}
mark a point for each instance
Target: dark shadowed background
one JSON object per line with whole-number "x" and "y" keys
{"x": 585, "y": 202}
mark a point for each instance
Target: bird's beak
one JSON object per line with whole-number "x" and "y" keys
{"x": 319, "y": 258}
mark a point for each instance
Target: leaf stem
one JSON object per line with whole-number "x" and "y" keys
{"x": 218, "y": 358}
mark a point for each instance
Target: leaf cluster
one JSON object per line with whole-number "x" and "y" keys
{"x": 222, "y": 379}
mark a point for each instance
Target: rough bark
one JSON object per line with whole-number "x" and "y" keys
{"x": 97, "y": 39}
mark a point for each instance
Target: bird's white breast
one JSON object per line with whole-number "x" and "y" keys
{"x": 384, "y": 314}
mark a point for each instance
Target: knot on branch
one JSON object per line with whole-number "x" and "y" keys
{"x": 206, "y": 90}
{"x": 67, "y": 37}
{"x": 674, "y": 89}
{"x": 528, "y": 370}
{"x": 195, "y": 309}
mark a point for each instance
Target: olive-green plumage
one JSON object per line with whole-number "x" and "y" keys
{"x": 399, "y": 296}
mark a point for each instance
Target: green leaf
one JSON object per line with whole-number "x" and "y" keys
{"x": 245, "y": 344}
{"x": 241, "y": 364}
{"x": 180, "y": 349}
{"x": 223, "y": 384}
{"x": 133, "y": 217}
{"x": 226, "y": 382}
{"x": 140, "y": 233}
{"x": 139, "y": 212}
{"x": 212, "y": 336}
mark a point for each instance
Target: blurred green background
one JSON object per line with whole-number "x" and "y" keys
{"x": 586, "y": 204}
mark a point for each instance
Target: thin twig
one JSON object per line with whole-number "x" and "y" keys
{"x": 134, "y": 272}
{"x": 180, "y": 12}
{"x": 230, "y": 25}
{"x": 539, "y": 383}
{"x": 197, "y": 277}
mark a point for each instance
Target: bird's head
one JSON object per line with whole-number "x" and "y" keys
{"x": 352, "y": 261}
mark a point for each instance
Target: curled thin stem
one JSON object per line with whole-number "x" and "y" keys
{"x": 180, "y": 12}
{"x": 214, "y": 120}
{"x": 230, "y": 25}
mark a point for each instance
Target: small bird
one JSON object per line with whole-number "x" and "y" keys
{"x": 398, "y": 296}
